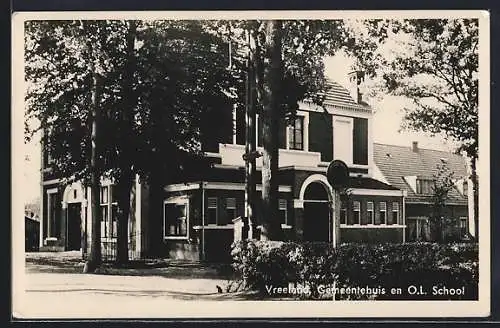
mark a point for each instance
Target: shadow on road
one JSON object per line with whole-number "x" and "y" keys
{"x": 71, "y": 262}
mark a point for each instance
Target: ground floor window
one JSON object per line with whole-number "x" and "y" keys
{"x": 52, "y": 206}
{"x": 230, "y": 210}
{"x": 357, "y": 213}
{"x": 211, "y": 214}
{"x": 343, "y": 214}
{"x": 369, "y": 213}
{"x": 383, "y": 212}
{"x": 464, "y": 226}
{"x": 418, "y": 229}
{"x": 175, "y": 214}
{"x": 283, "y": 211}
{"x": 394, "y": 218}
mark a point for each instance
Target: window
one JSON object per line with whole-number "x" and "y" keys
{"x": 369, "y": 213}
{"x": 211, "y": 215}
{"x": 104, "y": 208}
{"x": 357, "y": 212}
{"x": 418, "y": 229}
{"x": 465, "y": 188}
{"x": 463, "y": 225}
{"x": 394, "y": 219}
{"x": 230, "y": 209}
{"x": 424, "y": 186}
{"x": 52, "y": 213}
{"x": 114, "y": 212}
{"x": 296, "y": 134}
{"x": 343, "y": 214}
{"x": 282, "y": 206}
{"x": 175, "y": 218}
{"x": 383, "y": 213}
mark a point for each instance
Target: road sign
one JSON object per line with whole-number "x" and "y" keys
{"x": 337, "y": 174}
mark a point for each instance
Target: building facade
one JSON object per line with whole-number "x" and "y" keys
{"x": 198, "y": 212}
{"x": 412, "y": 169}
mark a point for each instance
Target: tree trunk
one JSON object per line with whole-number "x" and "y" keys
{"x": 250, "y": 146}
{"x": 271, "y": 101}
{"x": 475, "y": 193}
{"x": 125, "y": 159}
{"x": 95, "y": 255}
{"x": 123, "y": 189}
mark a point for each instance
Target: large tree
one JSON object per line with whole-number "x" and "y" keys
{"x": 434, "y": 62}
{"x": 150, "y": 83}
{"x": 287, "y": 58}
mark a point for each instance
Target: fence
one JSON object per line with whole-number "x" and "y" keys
{"x": 108, "y": 249}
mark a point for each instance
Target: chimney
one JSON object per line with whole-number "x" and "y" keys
{"x": 356, "y": 81}
{"x": 414, "y": 146}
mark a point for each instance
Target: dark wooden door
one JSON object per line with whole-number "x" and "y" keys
{"x": 74, "y": 226}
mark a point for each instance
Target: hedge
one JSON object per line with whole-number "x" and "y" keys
{"x": 358, "y": 271}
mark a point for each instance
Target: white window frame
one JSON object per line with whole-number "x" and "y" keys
{"x": 370, "y": 211}
{"x": 357, "y": 211}
{"x": 383, "y": 211}
{"x": 177, "y": 201}
{"x": 106, "y": 204}
{"x": 395, "y": 209}
{"x": 343, "y": 209}
{"x": 285, "y": 209}
{"x": 305, "y": 132}
{"x": 216, "y": 211}
{"x": 235, "y": 207}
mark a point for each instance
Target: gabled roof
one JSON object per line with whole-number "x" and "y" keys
{"x": 368, "y": 183}
{"x": 397, "y": 162}
{"x": 338, "y": 96}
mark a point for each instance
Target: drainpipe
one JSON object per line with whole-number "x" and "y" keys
{"x": 202, "y": 221}
{"x": 403, "y": 212}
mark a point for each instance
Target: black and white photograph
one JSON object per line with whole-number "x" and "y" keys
{"x": 251, "y": 164}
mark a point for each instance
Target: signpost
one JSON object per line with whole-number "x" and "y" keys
{"x": 337, "y": 175}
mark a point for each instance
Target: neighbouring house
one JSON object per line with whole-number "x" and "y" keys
{"x": 197, "y": 211}
{"x": 411, "y": 169}
{"x": 31, "y": 232}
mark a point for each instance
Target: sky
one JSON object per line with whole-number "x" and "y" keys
{"x": 386, "y": 125}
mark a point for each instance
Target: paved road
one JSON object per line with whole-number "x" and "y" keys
{"x": 49, "y": 293}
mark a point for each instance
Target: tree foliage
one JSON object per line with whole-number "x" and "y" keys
{"x": 443, "y": 184}
{"x": 157, "y": 82}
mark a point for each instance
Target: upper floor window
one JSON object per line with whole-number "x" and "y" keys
{"x": 424, "y": 186}
{"x": 296, "y": 134}
{"x": 465, "y": 188}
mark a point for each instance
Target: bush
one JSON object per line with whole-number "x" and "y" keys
{"x": 317, "y": 266}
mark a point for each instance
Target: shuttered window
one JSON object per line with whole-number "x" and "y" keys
{"x": 282, "y": 206}
{"x": 211, "y": 215}
{"x": 230, "y": 210}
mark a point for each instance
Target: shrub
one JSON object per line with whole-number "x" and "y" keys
{"x": 383, "y": 266}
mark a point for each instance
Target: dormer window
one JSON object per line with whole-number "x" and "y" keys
{"x": 424, "y": 186}
{"x": 296, "y": 134}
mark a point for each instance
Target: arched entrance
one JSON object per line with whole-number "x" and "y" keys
{"x": 73, "y": 201}
{"x": 317, "y": 213}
